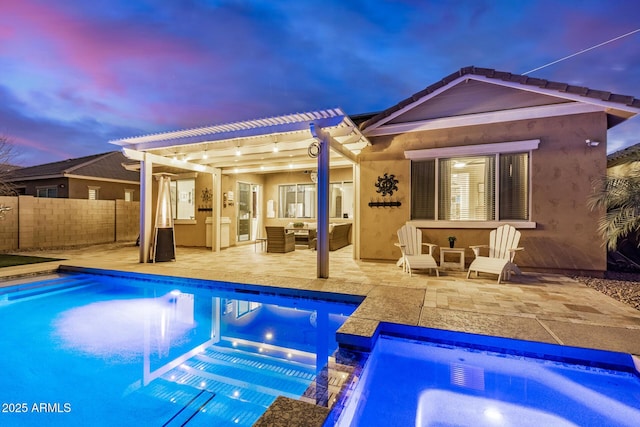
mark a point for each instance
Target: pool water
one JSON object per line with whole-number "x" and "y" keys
{"x": 87, "y": 349}
{"x": 418, "y": 383}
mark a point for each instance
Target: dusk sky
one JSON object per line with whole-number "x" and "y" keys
{"x": 75, "y": 74}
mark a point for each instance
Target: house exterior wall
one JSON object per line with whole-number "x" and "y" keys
{"x": 193, "y": 233}
{"x": 79, "y": 189}
{"x": 272, "y": 181}
{"x": 562, "y": 170}
{"x": 74, "y": 188}
{"x": 29, "y": 188}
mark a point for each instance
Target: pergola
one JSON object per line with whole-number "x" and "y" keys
{"x": 302, "y": 141}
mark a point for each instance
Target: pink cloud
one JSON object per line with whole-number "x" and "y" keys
{"x": 39, "y": 149}
{"x": 96, "y": 49}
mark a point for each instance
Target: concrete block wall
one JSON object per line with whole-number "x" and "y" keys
{"x": 35, "y": 223}
{"x": 9, "y": 224}
{"x": 127, "y": 220}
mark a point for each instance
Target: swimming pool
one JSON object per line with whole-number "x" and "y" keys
{"x": 86, "y": 349}
{"x": 456, "y": 379}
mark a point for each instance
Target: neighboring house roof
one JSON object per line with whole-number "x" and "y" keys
{"x": 105, "y": 166}
{"x": 481, "y": 93}
{"x": 626, "y": 155}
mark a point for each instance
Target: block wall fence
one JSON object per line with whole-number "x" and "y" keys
{"x": 40, "y": 223}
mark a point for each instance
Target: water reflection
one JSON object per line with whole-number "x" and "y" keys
{"x": 203, "y": 340}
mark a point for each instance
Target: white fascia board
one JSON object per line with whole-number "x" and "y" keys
{"x": 35, "y": 178}
{"x": 528, "y": 113}
{"x": 95, "y": 178}
{"x": 311, "y": 164}
{"x": 473, "y": 150}
{"x": 225, "y": 132}
{"x": 370, "y": 130}
{"x": 557, "y": 94}
{"x": 159, "y": 160}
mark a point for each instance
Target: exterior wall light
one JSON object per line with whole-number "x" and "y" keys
{"x": 592, "y": 143}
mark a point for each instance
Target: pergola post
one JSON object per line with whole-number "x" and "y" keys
{"x": 216, "y": 176}
{"x": 146, "y": 183}
{"x": 323, "y": 202}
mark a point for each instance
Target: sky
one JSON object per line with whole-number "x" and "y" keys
{"x": 75, "y": 74}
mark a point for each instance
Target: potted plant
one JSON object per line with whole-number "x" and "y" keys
{"x": 452, "y": 241}
{"x": 298, "y": 224}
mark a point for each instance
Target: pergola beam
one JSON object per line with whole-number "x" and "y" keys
{"x": 159, "y": 160}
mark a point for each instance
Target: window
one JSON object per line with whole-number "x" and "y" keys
{"x": 183, "y": 198}
{"x": 51, "y": 192}
{"x": 487, "y": 187}
{"x": 128, "y": 195}
{"x": 341, "y": 200}
{"x": 297, "y": 201}
{"x": 94, "y": 193}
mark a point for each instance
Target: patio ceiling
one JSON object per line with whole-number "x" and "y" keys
{"x": 248, "y": 146}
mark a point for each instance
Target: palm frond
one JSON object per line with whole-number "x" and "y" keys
{"x": 619, "y": 196}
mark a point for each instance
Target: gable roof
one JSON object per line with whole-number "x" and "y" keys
{"x": 105, "y": 166}
{"x": 491, "y": 87}
{"x": 626, "y": 155}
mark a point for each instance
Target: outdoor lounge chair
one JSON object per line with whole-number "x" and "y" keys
{"x": 410, "y": 244}
{"x": 503, "y": 245}
{"x": 279, "y": 240}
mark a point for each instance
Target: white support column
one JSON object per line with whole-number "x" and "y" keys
{"x": 217, "y": 208}
{"x": 146, "y": 193}
{"x": 355, "y": 227}
{"x": 323, "y": 201}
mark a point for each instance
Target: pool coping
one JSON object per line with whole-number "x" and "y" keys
{"x": 220, "y": 284}
{"x": 603, "y": 359}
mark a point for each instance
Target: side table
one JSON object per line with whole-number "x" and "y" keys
{"x": 448, "y": 264}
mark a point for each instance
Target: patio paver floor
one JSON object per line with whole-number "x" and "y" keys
{"x": 534, "y": 306}
{"x": 537, "y": 307}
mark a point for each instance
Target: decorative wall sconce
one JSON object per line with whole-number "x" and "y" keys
{"x": 592, "y": 143}
{"x": 206, "y": 196}
{"x": 387, "y": 184}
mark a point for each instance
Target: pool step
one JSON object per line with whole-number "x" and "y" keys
{"x": 244, "y": 385}
{"x": 40, "y": 288}
{"x": 195, "y": 406}
{"x": 264, "y": 364}
{"x": 225, "y": 409}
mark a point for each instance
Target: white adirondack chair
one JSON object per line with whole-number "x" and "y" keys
{"x": 503, "y": 245}
{"x": 410, "y": 244}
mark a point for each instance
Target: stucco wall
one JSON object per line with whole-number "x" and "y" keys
{"x": 565, "y": 237}
{"x": 192, "y": 233}
{"x": 230, "y": 183}
{"x": 272, "y": 181}
{"x": 45, "y": 223}
{"x": 30, "y": 187}
{"x": 79, "y": 189}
